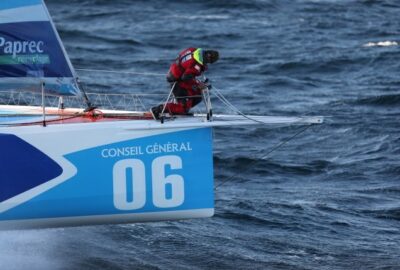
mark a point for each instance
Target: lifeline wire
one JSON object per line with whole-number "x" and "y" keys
{"x": 276, "y": 147}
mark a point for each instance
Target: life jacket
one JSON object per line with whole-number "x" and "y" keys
{"x": 189, "y": 62}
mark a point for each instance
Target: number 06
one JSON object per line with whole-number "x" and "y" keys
{"x": 173, "y": 181}
{"x": 167, "y": 190}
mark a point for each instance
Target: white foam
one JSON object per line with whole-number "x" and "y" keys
{"x": 29, "y": 250}
{"x": 381, "y": 44}
{"x": 202, "y": 17}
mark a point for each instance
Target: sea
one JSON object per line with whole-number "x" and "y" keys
{"x": 296, "y": 197}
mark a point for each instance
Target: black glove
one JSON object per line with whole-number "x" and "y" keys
{"x": 207, "y": 83}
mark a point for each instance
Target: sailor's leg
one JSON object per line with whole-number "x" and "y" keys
{"x": 196, "y": 99}
{"x": 193, "y": 98}
{"x": 181, "y": 96}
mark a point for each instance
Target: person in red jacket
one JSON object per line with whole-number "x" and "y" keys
{"x": 189, "y": 64}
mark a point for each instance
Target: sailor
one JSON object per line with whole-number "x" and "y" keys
{"x": 187, "y": 89}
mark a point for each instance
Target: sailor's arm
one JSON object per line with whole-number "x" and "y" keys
{"x": 191, "y": 73}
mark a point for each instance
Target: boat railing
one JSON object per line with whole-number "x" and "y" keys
{"x": 125, "y": 101}
{"x": 111, "y": 101}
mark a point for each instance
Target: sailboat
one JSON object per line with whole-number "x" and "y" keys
{"x": 63, "y": 166}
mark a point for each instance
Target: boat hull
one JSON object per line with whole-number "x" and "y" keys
{"x": 104, "y": 172}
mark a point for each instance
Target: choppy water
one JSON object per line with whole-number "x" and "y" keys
{"x": 330, "y": 199}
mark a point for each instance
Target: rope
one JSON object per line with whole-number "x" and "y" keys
{"x": 276, "y": 147}
{"x": 120, "y": 72}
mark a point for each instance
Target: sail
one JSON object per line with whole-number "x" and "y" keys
{"x": 31, "y": 51}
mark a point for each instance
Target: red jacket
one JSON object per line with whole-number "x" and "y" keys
{"x": 186, "y": 68}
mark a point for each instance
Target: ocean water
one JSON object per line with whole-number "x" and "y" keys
{"x": 327, "y": 199}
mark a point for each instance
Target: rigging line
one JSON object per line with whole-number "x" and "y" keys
{"x": 227, "y": 102}
{"x": 120, "y": 72}
{"x": 221, "y": 97}
{"x": 276, "y": 147}
{"x": 224, "y": 101}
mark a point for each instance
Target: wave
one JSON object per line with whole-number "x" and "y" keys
{"x": 384, "y": 100}
{"x": 100, "y": 14}
{"x": 239, "y": 4}
{"x": 202, "y": 17}
{"x": 340, "y": 223}
{"x": 391, "y": 213}
{"x": 320, "y": 65}
{"x": 386, "y": 3}
{"x": 250, "y": 218}
{"x": 394, "y": 190}
{"x": 90, "y": 38}
{"x": 260, "y": 165}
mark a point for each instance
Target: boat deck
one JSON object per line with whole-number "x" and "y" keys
{"x": 11, "y": 116}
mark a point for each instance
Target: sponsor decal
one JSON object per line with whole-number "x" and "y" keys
{"x": 31, "y": 49}
{"x": 22, "y": 52}
{"x": 23, "y": 167}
